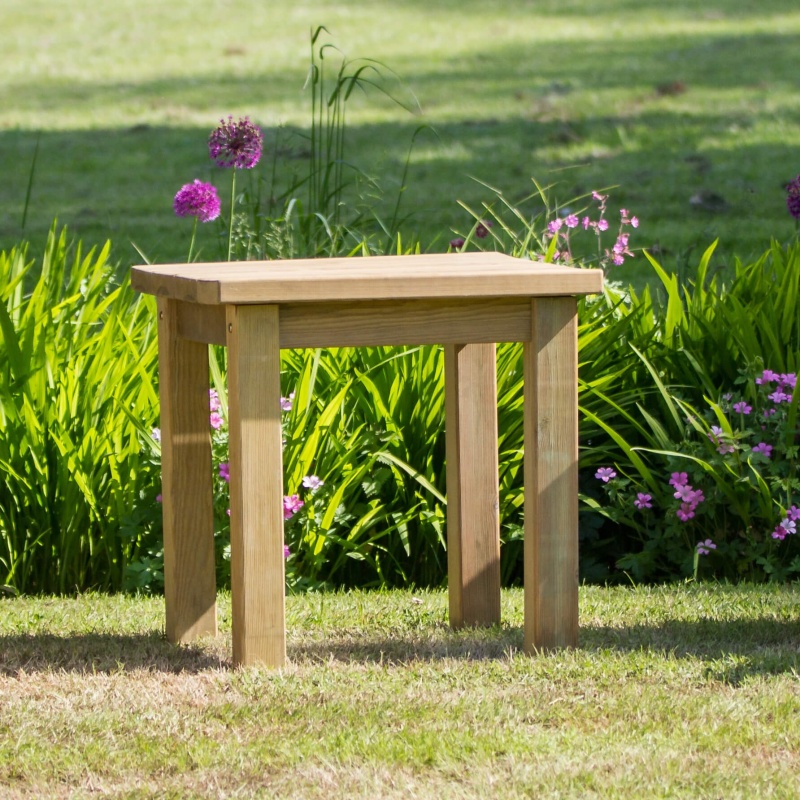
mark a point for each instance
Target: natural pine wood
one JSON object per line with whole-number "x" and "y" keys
{"x": 377, "y": 323}
{"x": 189, "y": 572}
{"x": 256, "y": 486}
{"x": 465, "y": 301}
{"x": 440, "y": 275}
{"x": 473, "y": 517}
{"x": 550, "y": 370}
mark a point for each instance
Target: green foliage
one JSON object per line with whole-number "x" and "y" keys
{"x": 710, "y": 340}
{"x": 77, "y": 359}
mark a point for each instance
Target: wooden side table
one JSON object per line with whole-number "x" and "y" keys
{"x": 466, "y": 302}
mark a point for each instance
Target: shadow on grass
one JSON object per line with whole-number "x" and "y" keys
{"x": 102, "y": 653}
{"x": 731, "y": 651}
{"x": 728, "y": 651}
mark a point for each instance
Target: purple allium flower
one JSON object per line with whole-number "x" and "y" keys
{"x": 291, "y": 505}
{"x": 215, "y": 420}
{"x": 643, "y": 500}
{"x": 197, "y": 199}
{"x": 225, "y": 471}
{"x": 236, "y": 144}
{"x": 482, "y": 228}
{"x": 605, "y": 474}
{"x": 704, "y": 548}
{"x": 742, "y": 408}
{"x": 793, "y": 197}
{"x": 763, "y": 448}
{"x": 457, "y": 244}
{"x": 312, "y": 482}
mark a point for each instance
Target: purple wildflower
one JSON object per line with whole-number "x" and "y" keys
{"x": 225, "y": 471}
{"x": 643, "y": 500}
{"x": 457, "y": 244}
{"x": 156, "y": 434}
{"x": 742, "y": 408}
{"x": 554, "y": 225}
{"x": 704, "y": 548}
{"x": 236, "y": 144}
{"x": 793, "y": 197}
{"x": 213, "y": 400}
{"x": 215, "y": 420}
{"x": 602, "y": 224}
{"x": 291, "y": 505}
{"x": 678, "y": 479}
{"x": 286, "y": 551}
{"x": 286, "y": 402}
{"x": 767, "y": 376}
{"x": 605, "y": 474}
{"x": 763, "y": 448}
{"x": 312, "y": 482}
{"x": 571, "y": 221}
{"x": 779, "y": 396}
{"x": 198, "y": 200}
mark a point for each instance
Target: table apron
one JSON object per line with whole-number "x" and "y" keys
{"x": 374, "y": 324}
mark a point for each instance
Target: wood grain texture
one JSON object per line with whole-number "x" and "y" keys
{"x": 431, "y": 276}
{"x": 473, "y": 520}
{"x": 378, "y": 323}
{"x": 187, "y": 501}
{"x": 550, "y": 367}
{"x": 256, "y": 486}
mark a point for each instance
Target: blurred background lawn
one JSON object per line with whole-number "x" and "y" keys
{"x": 691, "y": 109}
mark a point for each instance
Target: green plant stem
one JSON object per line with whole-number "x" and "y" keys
{"x": 233, "y": 205}
{"x": 191, "y": 243}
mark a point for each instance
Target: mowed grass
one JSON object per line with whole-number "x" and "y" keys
{"x": 685, "y": 691}
{"x": 691, "y": 108}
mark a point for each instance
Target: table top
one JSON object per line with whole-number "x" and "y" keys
{"x": 440, "y": 275}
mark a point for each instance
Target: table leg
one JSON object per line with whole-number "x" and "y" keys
{"x": 256, "y": 485}
{"x": 550, "y": 371}
{"x": 189, "y": 571}
{"x": 473, "y": 523}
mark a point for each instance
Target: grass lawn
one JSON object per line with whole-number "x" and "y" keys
{"x": 686, "y": 691}
{"x": 691, "y": 108}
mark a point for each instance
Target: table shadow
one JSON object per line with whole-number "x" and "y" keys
{"x": 102, "y": 653}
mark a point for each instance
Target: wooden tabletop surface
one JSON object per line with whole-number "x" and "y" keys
{"x": 440, "y": 275}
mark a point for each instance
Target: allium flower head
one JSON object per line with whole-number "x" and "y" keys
{"x": 457, "y": 243}
{"x": 793, "y": 197}
{"x": 482, "y": 228}
{"x": 236, "y": 144}
{"x": 197, "y": 199}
